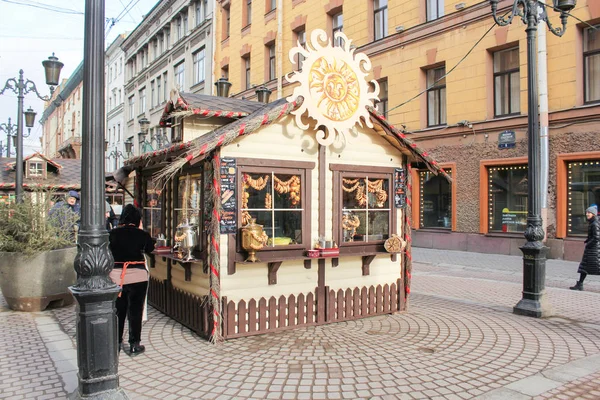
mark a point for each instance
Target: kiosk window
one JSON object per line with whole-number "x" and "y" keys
{"x": 189, "y": 197}
{"x": 152, "y": 208}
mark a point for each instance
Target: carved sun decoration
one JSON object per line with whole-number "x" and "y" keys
{"x": 334, "y": 86}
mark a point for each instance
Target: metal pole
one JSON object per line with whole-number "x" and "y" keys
{"x": 19, "y": 149}
{"x": 97, "y": 344}
{"x": 533, "y": 302}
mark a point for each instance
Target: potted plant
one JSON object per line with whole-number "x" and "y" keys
{"x": 37, "y": 250}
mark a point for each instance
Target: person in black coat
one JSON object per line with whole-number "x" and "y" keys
{"x": 128, "y": 243}
{"x": 590, "y": 263}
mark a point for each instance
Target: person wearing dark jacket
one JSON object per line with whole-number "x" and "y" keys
{"x": 128, "y": 243}
{"x": 590, "y": 263}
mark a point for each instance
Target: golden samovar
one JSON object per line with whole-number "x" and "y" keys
{"x": 253, "y": 239}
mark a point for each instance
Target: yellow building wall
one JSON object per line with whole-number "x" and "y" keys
{"x": 449, "y": 39}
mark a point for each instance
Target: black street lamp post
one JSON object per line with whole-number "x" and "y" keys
{"x": 534, "y": 302}
{"x": 11, "y": 135}
{"x": 21, "y": 87}
{"x": 95, "y": 293}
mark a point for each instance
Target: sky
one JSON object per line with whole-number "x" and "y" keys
{"x": 31, "y": 30}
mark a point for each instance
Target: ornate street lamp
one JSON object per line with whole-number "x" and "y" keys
{"x": 146, "y": 145}
{"x": 263, "y": 94}
{"x": 21, "y": 87}
{"x": 223, "y": 86}
{"x": 95, "y": 293}
{"x": 11, "y": 135}
{"x": 534, "y": 301}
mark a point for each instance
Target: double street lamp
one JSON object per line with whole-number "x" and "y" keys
{"x": 531, "y": 12}
{"x": 116, "y": 153}
{"x": 21, "y": 87}
{"x": 146, "y": 145}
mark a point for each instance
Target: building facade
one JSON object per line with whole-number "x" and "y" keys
{"x": 115, "y": 115}
{"x": 458, "y": 84}
{"x": 171, "y": 48}
{"x": 61, "y": 120}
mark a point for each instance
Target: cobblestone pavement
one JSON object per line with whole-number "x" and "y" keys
{"x": 459, "y": 340}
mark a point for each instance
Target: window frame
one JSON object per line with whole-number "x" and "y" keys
{"x": 508, "y": 74}
{"x": 337, "y": 28}
{"x": 272, "y": 62}
{"x": 437, "y": 88}
{"x": 179, "y": 71}
{"x": 174, "y": 187}
{"x": 383, "y": 12}
{"x": 304, "y": 170}
{"x": 587, "y": 54}
{"x": 439, "y": 11}
{"x": 142, "y": 104}
{"x": 147, "y": 177}
{"x": 40, "y": 173}
{"x": 199, "y": 64}
{"x": 383, "y": 100}
{"x": 247, "y": 72}
{"x": 300, "y": 35}
{"x": 340, "y": 171}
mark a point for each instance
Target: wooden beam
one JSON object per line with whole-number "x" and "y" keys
{"x": 366, "y": 264}
{"x": 273, "y": 268}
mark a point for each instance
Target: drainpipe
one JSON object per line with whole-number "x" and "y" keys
{"x": 543, "y": 110}
{"x": 279, "y": 47}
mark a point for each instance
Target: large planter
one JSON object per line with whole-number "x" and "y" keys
{"x": 32, "y": 283}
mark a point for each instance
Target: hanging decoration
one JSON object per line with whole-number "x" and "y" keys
{"x": 291, "y": 186}
{"x": 216, "y": 335}
{"x": 375, "y": 187}
{"x": 333, "y": 82}
{"x": 349, "y": 223}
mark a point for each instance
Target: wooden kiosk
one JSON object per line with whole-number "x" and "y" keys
{"x": 317, "y": 207}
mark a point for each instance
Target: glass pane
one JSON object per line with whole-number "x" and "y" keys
{"x": 442, "y": 106}
{"x": 355, "y": 226}
{"x": 378, "y": 25}
{"x": 515, "y": 93}
{"x": 265, "y": 219}
{"x": 379, "y": 225}
{"x": 436, "y": 201}
{"x": 592, "y": 77}
{"x": 286, "y": 191}
{"x": 506, "y": 60}
{"x": 191, "y": 216}
{"x": 508, "y": 199}
{"x": 501, "y": 94}
{"x": 378, "y": 193}
{"x": 583, "y": 190}
{"x": 288, "y": 228}
{"x": 189, "y": 198}
{"x": 591, "y": 39}
{"x": 257, "y": 191}
{"x": 353, "y": 193}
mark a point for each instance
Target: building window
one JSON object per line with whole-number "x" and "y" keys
{"x": 180, "y": 75}
{"x": 380, "y": 12}
{"x": 382, "y": 104}
{"x": 119, "y": 96}
{"x": 583, "y": 181}
{"x": 435, "y": 9}
{"x": 152, "y": 208}
{"x": 436, "y": 96}
{"x": 158, "y": 91}
{"x": 248, "y": 12}
{"x": 271, "y": 65}
{"x": 36, "y": 169}
{"x": 507, "y": 200}
{"x": 152, "y": 95}
{"x": 178, "y": 29}
{"x": 142, "y": 59}
{"x": 591, "y": 64}
{"x": 155, "y": 48}
{"x": 165, "y": 87}
{"x": 142, "y": 101}
{"x": 225, "y": 72}
{"x": 131, "y": 107}
{"x": 301, "y": 39}
{"x": 226, "y": 21}
{"x": 506, "y": 82}
{"x": 247, "y": 72}
{"x": 365, "y": 213}
{"x": 337, "y": 23}
{"x": 161, "y": 43}
{"x": 200, "y": 11}
{"x": 198, "y": 66}
{"x": 435, "y": 205}
{"x": 271, "y": 5}
{"x": 168, "y": 37}
{"x": 276, "y": 199}
{"x": 185, "y": 24}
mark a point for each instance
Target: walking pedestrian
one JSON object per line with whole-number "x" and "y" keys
{"x": 590, "y": 263}
{"x": 128, "y": 243}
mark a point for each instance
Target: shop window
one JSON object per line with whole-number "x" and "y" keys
{"x": 365, "y": 207}
{"x": 189, "y": 196}
{"x": 435, "y": 194}
{"x": 507, "y": 198}
{"x": 583, "y": 190}
{"x": 152, "y": 208}
{"x": 591, "y": 64}
{"x": 276, "y": 200}
{"x": 507, "y": 87}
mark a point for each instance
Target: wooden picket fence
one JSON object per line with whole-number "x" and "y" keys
{"x": 276, "y": 314}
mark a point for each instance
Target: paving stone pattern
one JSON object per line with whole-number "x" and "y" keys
{"x": 459, "y": 340}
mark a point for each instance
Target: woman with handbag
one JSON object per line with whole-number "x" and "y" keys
{"x": 590, "y": 263}
{"x": 128, "y": 243}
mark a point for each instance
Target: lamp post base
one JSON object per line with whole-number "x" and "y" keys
{"x": 534, "y": 302}
{"x": 118, "y": 394}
